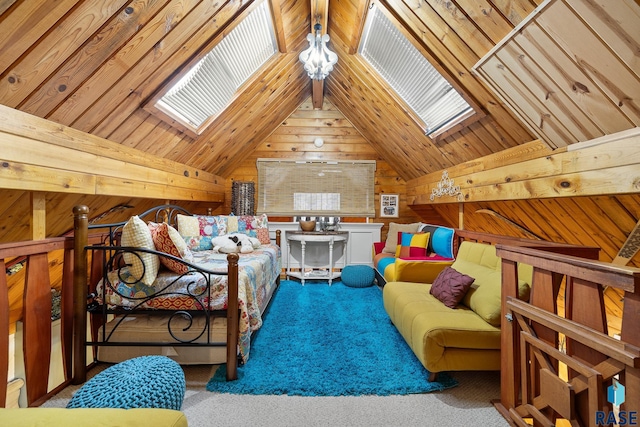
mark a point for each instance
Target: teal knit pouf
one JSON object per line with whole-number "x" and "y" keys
{"x": 358, "y": 276}
{"x": 142, "y": 382}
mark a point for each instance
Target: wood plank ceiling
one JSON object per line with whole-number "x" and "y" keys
{"x": 93, "y": 65}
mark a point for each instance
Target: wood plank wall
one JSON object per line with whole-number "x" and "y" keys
{"x": 294, "y": 138}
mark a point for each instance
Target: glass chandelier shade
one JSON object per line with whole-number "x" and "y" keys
{"x": 318, "y": 60}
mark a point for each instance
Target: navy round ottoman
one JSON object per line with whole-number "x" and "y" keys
{"x": 358, "y": 276}
{"x": 142, "y": 382}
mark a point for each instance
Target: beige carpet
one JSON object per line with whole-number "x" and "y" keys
{"x": 469, "y": 404}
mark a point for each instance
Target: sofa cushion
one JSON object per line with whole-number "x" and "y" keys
{"x": 484, "y": 296}
{"x": 392, "y": 236}
{"x": 419, "y": 271}
{"x": 142, "y": 266}
{"x": 479, "y": 260}
{"x": 434, "y": 331}
{"x": 451, "y": 286}
{"x": 412, "y": 245}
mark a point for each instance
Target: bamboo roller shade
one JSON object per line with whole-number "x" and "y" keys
{"x": 327, "y": 188}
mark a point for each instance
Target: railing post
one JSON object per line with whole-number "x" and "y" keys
{"x": 233, "y": 317}
{"x": 510, "y": 342}
{"x": 36, "y": 321}
{"x": 4, "y": 334}
{"x": 81, "y": 239}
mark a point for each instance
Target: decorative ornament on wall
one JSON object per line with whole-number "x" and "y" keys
{"x": 446, "y": 187}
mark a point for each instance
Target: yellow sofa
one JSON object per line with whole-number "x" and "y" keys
{"x": 463, "y": 338}
{"x": 92, "y": 417}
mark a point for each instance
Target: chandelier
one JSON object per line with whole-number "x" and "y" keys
{"x": 318, "y": 60}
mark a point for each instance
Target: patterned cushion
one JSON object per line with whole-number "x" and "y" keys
{"x": 167, "y": 239}
{"x": 198, "y": 230}
{"x": 392, "y": 236}
{"x": 135, "y": 233}
{"x": 412, "y": 245}
{"x": 141, "y": 382}
{"x": 253, "y": 226}
{"x": 451, "y": 286}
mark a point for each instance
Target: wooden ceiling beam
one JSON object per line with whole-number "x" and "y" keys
{"x": 563, "y": 173}
{"x": 319, "y": 15}
{"x": 40, "y": 155}
{"x": 276, "y": 14}
{"x": 359, "y": 19}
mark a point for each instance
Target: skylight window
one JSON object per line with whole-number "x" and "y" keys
{"x": 210, "y": 85}
{"x": 420, "y": 85}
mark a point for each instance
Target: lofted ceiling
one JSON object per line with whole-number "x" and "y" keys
{"x": 94, "y": 65}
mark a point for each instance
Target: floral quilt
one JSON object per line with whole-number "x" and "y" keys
{"x": 257, "y": 274}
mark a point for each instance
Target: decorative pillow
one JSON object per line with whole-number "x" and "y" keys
{"x": 212, "y": 226}
{"x": 167, "y": 239}
{"x": 412, "y": 245}
{"x": 189, "y": 229}
{"x": 259, "y": 223}
{"x": 426, "y": 228}
{"x": 136, "y": 233}
{"x": 392, "y": 236}
{"x": 253, "y": 226}
{"x": 451, "y": 286}
{"x": 198, "y": 230}
{"x": 441, "y": 241}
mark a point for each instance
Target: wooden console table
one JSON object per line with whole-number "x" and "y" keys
{"x": 313, "y": 255}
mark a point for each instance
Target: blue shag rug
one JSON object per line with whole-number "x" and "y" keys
{"x": 318, "y": 340}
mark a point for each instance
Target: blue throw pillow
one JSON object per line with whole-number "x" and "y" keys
{"x": 442, "y": 241}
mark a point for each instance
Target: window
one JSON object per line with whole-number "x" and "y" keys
{"x": 212, "y": 82}
{"x": 299, "y": 188}
{"x": 418, "y": 83}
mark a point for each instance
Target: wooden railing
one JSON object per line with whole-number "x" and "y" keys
{"x": 36, "y": 314}
{"x": 590, "y": 252}
{"x": 567, "y": 367}
{"x": 38, "y": 257}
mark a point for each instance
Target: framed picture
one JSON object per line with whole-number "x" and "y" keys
{"x": 389, "y": 205}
